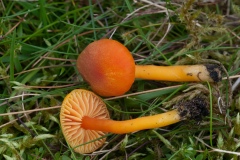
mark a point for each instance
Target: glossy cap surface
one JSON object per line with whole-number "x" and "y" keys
{"x": 108, "y": 67}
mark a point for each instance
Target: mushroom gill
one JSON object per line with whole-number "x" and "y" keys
{"x": 74, "y": 108}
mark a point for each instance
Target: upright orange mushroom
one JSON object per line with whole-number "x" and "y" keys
{"x": 85, "y": 120}
{"x": 109, "y": 68}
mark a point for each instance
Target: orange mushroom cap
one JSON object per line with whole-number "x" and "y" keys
{"x": 76, "y": 105}
{"x": 106, "y": 74}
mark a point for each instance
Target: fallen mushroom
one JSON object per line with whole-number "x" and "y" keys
{"x": 85, "y": 119}
{"x": 109, "y": 68}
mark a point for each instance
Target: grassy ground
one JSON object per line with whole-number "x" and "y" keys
{"x": 40, "y": 41}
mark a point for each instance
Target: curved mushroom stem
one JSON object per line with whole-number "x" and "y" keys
{"x": 127, "y": 126}
{"x": 184, "y": 73}
{"x": 192, "y": 109}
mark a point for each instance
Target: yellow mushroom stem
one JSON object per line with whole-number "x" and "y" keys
{"x": 127, "y": 126}
{"x": 209, "y": 72}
